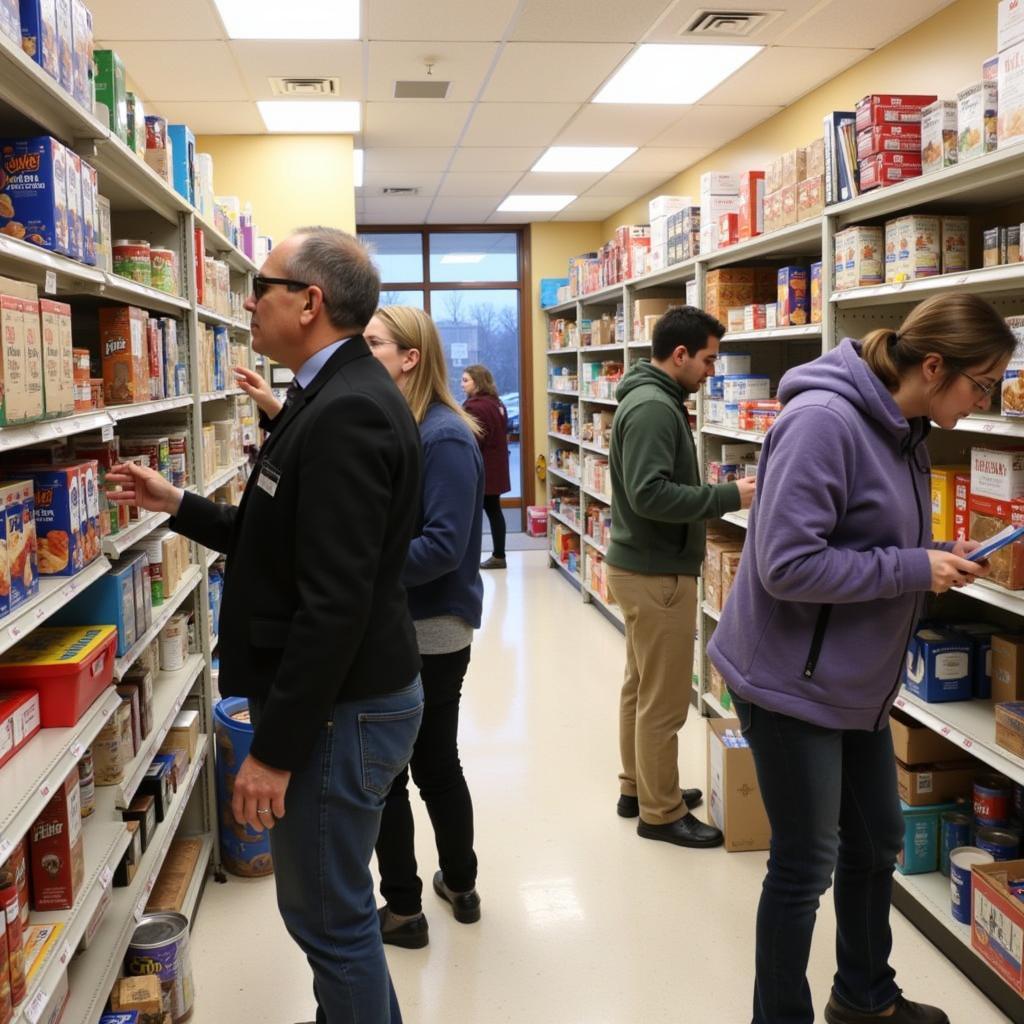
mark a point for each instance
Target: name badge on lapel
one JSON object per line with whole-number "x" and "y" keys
{"x": 269, "y": 478}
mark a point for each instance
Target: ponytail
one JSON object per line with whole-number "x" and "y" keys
{"x": 880, "y": 350}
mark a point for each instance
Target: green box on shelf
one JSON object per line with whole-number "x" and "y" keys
{"x": 921, "y": 838}
{"x": 112, "y": 90}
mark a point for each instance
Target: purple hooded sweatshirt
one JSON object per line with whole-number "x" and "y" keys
{"x": 835, "y": 569}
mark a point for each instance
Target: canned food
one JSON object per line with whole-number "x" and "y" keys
{"x": 960, "y": 863}
{"x": 1001, "y": 844}
{"x": 160, "y": 948}
{"x": 164, "y": 270}
{"x": 174, "y": 644}
{"x": 132, "y": 260}
{"x": 956, "y": 832}
{"x": 83, "y": 396}
{"x": 80, "y": 363}
{"x": 96, "y": 400}
{"x": 993, "y": 800}
{"x": 87, "y": 784}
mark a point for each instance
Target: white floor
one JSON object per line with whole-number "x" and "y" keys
{"x": 584, "y": 923}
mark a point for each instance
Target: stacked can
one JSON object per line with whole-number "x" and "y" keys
{"x": 993, "y": 817}
{"x": 961, "y": 861}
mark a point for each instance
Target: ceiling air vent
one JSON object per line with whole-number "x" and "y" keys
{"x": 734, "y": 24}
{"x": 399, "y": 190}
{"x": 305, "y": 86}
{"x": 431, "y": 90}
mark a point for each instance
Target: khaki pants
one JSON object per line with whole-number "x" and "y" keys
{"x": 661, "y": 616}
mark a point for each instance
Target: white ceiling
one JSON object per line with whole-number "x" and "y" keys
{"x": 522, "y": 75}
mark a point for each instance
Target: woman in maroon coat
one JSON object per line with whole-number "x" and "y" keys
{"x": 484, "y": 405}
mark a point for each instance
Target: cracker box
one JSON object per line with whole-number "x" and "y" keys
{"x": 918, "y": 245}
{"x": 810, "y": 198}
{"x": 1010, "y": 80}
{"x": 1010, "y": 24}
{"x": 39, "y": 34}
{"x": 944, "y": 501}
{"x": 890, "y": 109}
{"x": 794, "y": 166}
{"x": 112, "y": 90}
{"x": 956, "y": 232}
{"x": 938, "y": 136}
{"x": 794, "y": 298}
{"x": 888, "y": 169}
{"x": 58, "y": 513}
{"x": 90, "y": 193}
{"x": 19, "y": 721}
{"x": 997, "y": 473}
{"x": 33, "y": 198}
{"x": 789, "y": 197}
{"x": 65, "y": 46}
{"x": 889, "y": 138}
{"x": 81, "y": 56}
{"x": 125, "y": 354}
{"x": 988, "y": 517}
{"x": 56, "y": 849}
{"x": 976, "y": 118}
{"x": 939, "y": 665}
{"x": 751, "y": 215}
{"x": 816, "y": 299}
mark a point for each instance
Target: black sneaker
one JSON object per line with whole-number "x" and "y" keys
{"x": 904, "y": 1012}
{"x": 629, "y": 806}
{"x": 688, "y": 831}
{"x": 494, "y": 563}
{"x": 413, "y": 934}
{"x": 465, "y": 905}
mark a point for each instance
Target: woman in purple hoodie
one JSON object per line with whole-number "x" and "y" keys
{"x": 838, "y": 561}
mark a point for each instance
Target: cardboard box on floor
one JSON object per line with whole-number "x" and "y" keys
{"x": 734, "y": 797}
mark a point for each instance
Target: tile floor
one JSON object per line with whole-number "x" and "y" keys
{"x": 583, "y": 923}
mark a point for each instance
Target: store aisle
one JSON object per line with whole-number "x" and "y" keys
{"x": 584, "y": 923}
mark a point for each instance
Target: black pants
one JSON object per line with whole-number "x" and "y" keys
{"x": 492, "y": 507}
{"x": 437, "y": 772}
{"x": 832, "y": 802}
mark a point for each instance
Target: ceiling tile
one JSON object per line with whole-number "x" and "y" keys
{"x": 626, "y": 185}
{"x": 673, "y": 27}
{"x": 782, "y": 74}
{"x": 473, "y": 160}
{"x": 536, "y": 72}
{"x": 398, "y": 124}
{"x": 708, "y": 126}
{"x": 461, "y": 211}
{"x": 411, "y": 177}
{"x": 258, "y": 59}
{"x": 594, "y": 207}
{"x": 439, "y": 19}
{"x": 399, "y": 210}
{"x": 479, "y": 185}
{"x": 596, "y": 21}
{"x": 462, "y": 64}
{"x": 157, "y": 70}
{"x": 618, "y": 124}
{"x": 529, "y": 124}
{"x": 423, "y": 160}
{"x": 545, "y": 184}
{"x": 518, "y": 218}
{"x": 113, "y": 20}
{"x": 215, "y": 118}
{"x": 667, "y": 161}
{"x": 869, "y": 23}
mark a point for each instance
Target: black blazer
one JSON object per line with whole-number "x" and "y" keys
{"x": 314, "y": 611}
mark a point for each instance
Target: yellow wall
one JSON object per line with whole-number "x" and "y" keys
{"x": 941, "y": 56}
{"x": 551, "y": 245}
{"x": 291, "y": 180}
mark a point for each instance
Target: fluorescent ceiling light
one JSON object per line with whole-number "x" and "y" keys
{"x": 358, "y": 162}
{"x": 596, "y": 159}
{"x": 298, "y": 19}
{"x": 303, "y": 116}
{"x": 534, "y": 204}
{"x": 673, "y": 72}
{"x": 463, "y": 257}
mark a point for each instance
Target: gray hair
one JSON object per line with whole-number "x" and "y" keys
{"x": 341, "y": 267}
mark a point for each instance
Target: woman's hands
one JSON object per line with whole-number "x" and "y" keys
{"x": 950, "y": 569}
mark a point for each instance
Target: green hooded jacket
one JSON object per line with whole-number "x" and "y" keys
{"x": 659, "y": 504}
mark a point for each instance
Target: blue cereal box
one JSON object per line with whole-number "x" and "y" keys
{"x": 73, "y": 178}
{"x": 58, "y": 513}
{"x": 183, "y": 151}
{"x": 90, "y": 215}
{"x": 89, "y": 475}
{"x": 18, "y": 509}
{"x": 65, "y": 46}
{"x": 980, "y": 634}
{"x": 110, "y": 601}
{"x": 33, "y": 192}
{"x": 81, "y": 53}
{"x": 39, "y": 33}
{"x": 939, "y": 665}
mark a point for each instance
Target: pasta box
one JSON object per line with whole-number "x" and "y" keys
{"x": 33, "y": 197}
{"x": 939, "y": 665}
{"x": 58, "y": 515}
{"x": 19, "y": 721}
{"x": 39, "y": 34}
{"x": 108, "y": 601}
{"x": 69, "y": 665}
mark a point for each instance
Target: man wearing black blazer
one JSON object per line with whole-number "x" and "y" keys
{"x": 315, "y": 630}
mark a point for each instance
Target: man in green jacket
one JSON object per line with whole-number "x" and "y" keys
{"x": 659, "y": 508}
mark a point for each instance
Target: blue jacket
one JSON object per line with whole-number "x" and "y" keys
{"x": 442, "y": 570}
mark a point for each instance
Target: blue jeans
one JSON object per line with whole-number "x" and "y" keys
{"x": 322, "y": 850}
{"x": 833, "y": 806}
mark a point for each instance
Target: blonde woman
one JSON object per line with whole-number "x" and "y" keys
{"x": 445, "y": 598}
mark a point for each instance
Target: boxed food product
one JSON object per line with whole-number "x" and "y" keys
{"x": 914, "y": 242}
{"x": 19, "y": 721}
{"x": 157, "y": 784}
{"x": 129, "y": 864}
{"x": 955, "y": 241}
{"x": 142, "y": 995}
{"x": 935, "y": 783}
{"x": 112, "y": 90}
{"x": 961, "y": 507}
{"x": 112, "y": 749}
{"x": 73, "y": 192}
{"x": 997, "y": 473}
{"x": 888, "y": 169}
{"x": 794, "y": 299}
{"x": 143, "y": 810}
{"x": 743, "y": 387}
{"x": 810, "y": 198}
{"x": 939, "y": 665}
{"x": 717, "y": 546}
{"x": 186, "y": 727}
{"x": 998, "y": 915}
{"x": 1010, "y": 81}
{"x": 734, "y": 797}
{"x": 816, "y": 298}
{"x": 990, "y": 248}
{"x": 977, "y": 107}
{"x": 90, "y": 193}
{"x": 755, "y": 317}
{"x": 989, "y": 517}
{"x": 56, "y": 854}
{"x": 859, "y": 257}
{"x": 81, "y": 58}
{"x": 719, "y": 183}
{"x": 815, "y": 158}
{"x": 1010, "y": 727}
{"x": 1007, "y": 667}
{"x": 980, "y": 634}
{"x": 172, "y": 885}
{"x": 794, "y": 166}
{"x": 939, "y": 145}
{"x": 108, "y": 601}
{"x": 39, "y": 34}
{"x": 65, "y": 45}
{"x": 33, "y": 200}
{"x": 751, "y": 215}
{"x": 944, "y": 501}
{"x": 20, "y": 568}
{"x": 58, "y": 393}
{"x": 889, "y": 138}
{"x": 1009, "y": 24}
{"x": 916, "y": 744}
{"x": 728, "y": 229}
{"x": 137, "y": 125}
{"x": 789, "y": 198}
{"x": 125, "y": 354}
{"x": 58, "y": 519}
{"x": 665, "y": 206}
{"x": 890, "y": 109}
{"x": 69, "y": 665}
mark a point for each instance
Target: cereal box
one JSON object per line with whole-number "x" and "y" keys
{"x": 136, "y": 125}
{"x": 889, "y": 138}
{"x": 918, "y": 248}
{"x": 10, "y": 21}
{"x": 73, "y": 163}
{"x": 1010, "y": 24}
{"x": 1013, "y": 379}
{"x": 1010, "y": 81}
{"x": 33, "y": 191}
{"x": 794, "y": 166}
{"x": 58, "y": 863}
{"x": 976, "y": 117}
{"x": 789, "y": 197}
{"x": 955, "y": 251}
{"x": 938, "y": 136}
{"x": 81, "y": 57}
{"x": 39, "y": 34}
{"x": 90, "y": 192}
{"x": 794, "y": 300}
{"x": 17, "y": 505}
{"x": 990, "y": 254}
{"x": 112, "y": 90}
{"x": 816, "y": 306}
{"x": 125, "y": 354}
{"x": 58, "y": 512}
{"x": 859, "y": 257}
{"x": 65, "y": 45}
{"x": 997, "y": 474}
{"x": 56, "y": 400}
{"x": 815, "y": 158}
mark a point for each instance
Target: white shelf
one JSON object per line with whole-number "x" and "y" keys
{"x": 563, "y": 394}
{"x": 639, "y": 344}
{"x": 53, "y": 430}
{"x": 995, "y": 595}
{"x": 612, "y": 609}
{"x": 31, "y": 777}
{"x": 564, "y": 476}
{"x": 129, "y": 183}
{"x": 92, "y": 975}
{"x": 603, "y": 296}
{"x": 224, "y": 476}
{"x": 211, "y": 558}
{"x": 932, "y": 891}
{"x": 596, "y": 494}
{"x": 740, "y": 519}
{"x": 988, "y": 423}
{"x": 798, "y": 238}
{"x": 678, "y": 273}
{"x": 54, "y": 593}
{"x": 169, "y": 692}
{"x": 612, "y": 346}
{"x": 569, "y": 306}
{"x": 600, "y": 548}
{"x": 29, "y": 262}
{"x": 195, "y": 886}
{"x": 565, "y": 521}
{"x": 564, "y": 438}
{"x": 127, "y": 412}
{"x": 161, "y": 616}
{"x": 589, "y": 400}
{"x": 563, "y": 351}
{"x": 121, "y": 289}
{"x": 812, "y": 331}
{"x": 717, "y": 430}
{"x": 595, "y": 448}
{"x": 711, "y": 701}
{"x": 211, "y": 317}
{"x": 117, "y": 544}
{"x": 217, "y": 242}
{"x": 970, "y": 724}
{"x": 219, "y": 396}
{"x": 984, "y": 281}
{"x": 710, "y": 612}
{"x": 104, "y": 844}
{"x": 571, "y": 576}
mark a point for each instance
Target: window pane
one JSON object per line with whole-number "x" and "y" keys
{"x": 399, "y": 258}
{"x": 394, "y": 297}
{"x": 483, "y": 327}
{"x": 473, "y": 256}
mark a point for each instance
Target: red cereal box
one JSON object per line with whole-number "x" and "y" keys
{"x": 55, "y": 842}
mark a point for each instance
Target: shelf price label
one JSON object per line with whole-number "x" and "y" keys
{"x": 77, "y": 751}
{"x": 45, "y": 790}
{"x": 50, "y": 284}
{"x": 107, "y": 432}
{"x": 105, "y": 876}
{"x": 36, "y": 1005}
{"x": 65, "y": 954}
{"x": 5, "y": 848}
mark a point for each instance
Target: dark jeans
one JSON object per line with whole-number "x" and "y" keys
{"x": 437, "y": 772}
{"x": 832, "y": 803}
{"x": 492, "y": 508}
{"x": 322, "y": 850}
